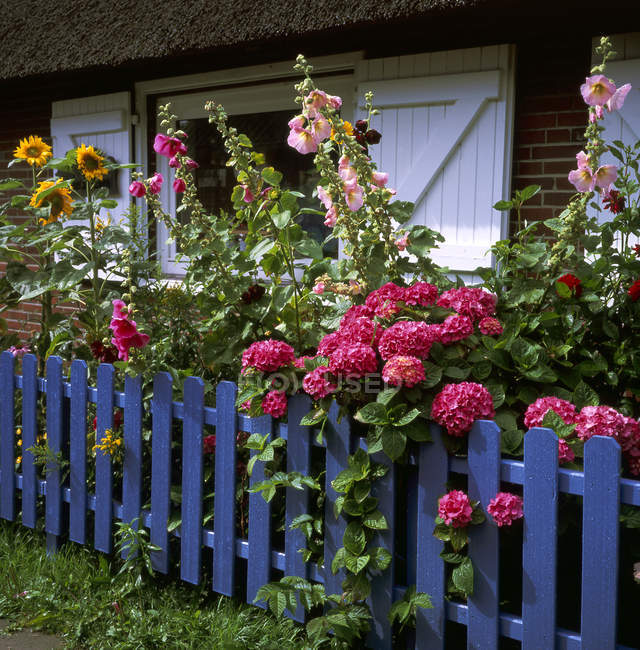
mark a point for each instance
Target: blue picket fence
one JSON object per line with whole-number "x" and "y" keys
{"x": 68, "y": 503}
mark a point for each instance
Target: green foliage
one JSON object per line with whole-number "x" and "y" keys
{"x": 403, "y": 611}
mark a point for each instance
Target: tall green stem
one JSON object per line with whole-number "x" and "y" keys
{"x": 94, "y": 259}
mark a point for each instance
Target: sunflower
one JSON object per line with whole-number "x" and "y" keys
{"x": 33, "y": 150}
{"x": 59, "y": 201}
{"x": 90, "y": 163}
{"x": 348, "y": 127}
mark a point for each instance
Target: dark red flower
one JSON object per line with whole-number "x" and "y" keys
{"x": 253, "y": 293}
{"x": 636, "y": 250}
{"x": 634, "y": 290}
{"x": 373, "y": 136}
{"x": 362, "y": 126}
{"x": 209, "y": 444}
{"x": 613, "y": 201}
{"x": 572, "y": 282}
{"x": 117, "y": 420}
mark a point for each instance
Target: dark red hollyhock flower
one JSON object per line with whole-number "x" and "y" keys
{"x": 209, "y": 444}
{"x": 634, "y": 290}
{"x": 613, "y": 201}
{"x": 573, "y": 283}
{"x": 117, "y": 421}
{"x": 104, "y": 353}
{"x": 636, "y": 250}
{"x": 373, "y": 136}
{"x": 362, "y": 126}
{"x": 253, "y": 293}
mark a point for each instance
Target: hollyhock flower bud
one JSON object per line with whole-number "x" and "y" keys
{"x": 137, "y": 189}
{"x": 248, "y": 195}
{"x": 274, "y": 403}
{"x": 362, "y": 126}
{"x": 179, "y": 185}
{"x": 191, "y": 164}
{"x": 454, "y": 508}
{"x": 380, "y": 179}
{"x": 168, "y": 147}
{"x": 597, "y": 90}
{"x": 331, "y": 217}
{"x": 505, "y": 508}
{"x": 174, "y": 162}
{"x": 318, "y": 288}
{"x": 155, "y": 183}
{"x": 372, "y": 136}
{"x": 402, "y": 242}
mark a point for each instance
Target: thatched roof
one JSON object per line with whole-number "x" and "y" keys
{"x": 39, "y": 36}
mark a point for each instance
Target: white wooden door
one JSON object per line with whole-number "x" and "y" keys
{"x": 446, "y": 124}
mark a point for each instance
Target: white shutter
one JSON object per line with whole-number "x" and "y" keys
{"x": 446, "y": 124}
{"x": 103, "y": 121}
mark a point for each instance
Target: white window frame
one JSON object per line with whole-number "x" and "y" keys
{"x": 239, "y": 90}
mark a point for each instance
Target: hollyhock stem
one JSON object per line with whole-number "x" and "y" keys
{"x": 94, "y": 259}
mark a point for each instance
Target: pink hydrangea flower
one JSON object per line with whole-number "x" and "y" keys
{"x": 168, "y": 147}
{"x": 383, "y": 301}
{"x": 633, "y": 461}
{"x": 316, "y": 383}
{"x": 454, "y": 508}
{"x": 137, "y": 189}
{"x": 597, "y": 90}
{"x": 565, "y": 453}
{"x": 362, "y": 330}
{"x": 299, "y": 362}
{"x": 179, "y": 185}
{"x": 505, "y": 508}
{"x": 403, "y": 370}
{"x": 329, "y": 343}
{"x": 534, "y": 415}
{"x": 209, "y": 444}
{"x": 458, "y": 406}
{"x": 274, "y": 403}
{"x": 155, "y": 183}
{"x": 420, "y": 293}
{"x": 490, "y": 326}
{"x": 268, "y": 356}
{"x": 355, "y": 312}
{"x": 455, "y": 328}
{"x": 629, "y": 435}
{"x": 599, "y": 421}
{"x": 408, "y": 338}
{"x": 476, "y": 304}
{"x": 353, "y": 360}
{"x": 246, "y": 406}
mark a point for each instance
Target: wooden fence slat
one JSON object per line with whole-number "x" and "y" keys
{"x": 224, "y": 521}
{"x": 78, "y": 453}
{"x": 7, "y": 438}
{"x": 53, "y": 497}
{"x": 161, "y": 414}
{"x": 103, "y": 539}
{"x": 600, "y": 545}
{"x": 539, "y": 551}
{"x": 430, "y": 571}
{"x": 338, "y": 441}
{"x": 191, "y": 528}
{"x": 29, "y": 436}
{"x": 484, "y": 543}
{"x": 297, "y": 501}
{"x": 132, "y": 463}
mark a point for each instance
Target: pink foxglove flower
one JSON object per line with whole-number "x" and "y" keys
{"x": 505, "y": 508}
{"x": 179, "y": 185}
{"x": 302, "y": 140}
{"x": 353, "y": 195}
{"x": 168, "y": 147}
{"x": 597, "y": 90}
{"x": 137, "y": 189}
{"x": 155, "y": 183}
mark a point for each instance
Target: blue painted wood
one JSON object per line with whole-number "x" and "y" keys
{"x": 78, "y": 453}
{"x": 484, "y": 545}
{"x": 191, "y": 529}
{"x": 259, "y": 560}
{"x": 539, "y": 551}
{"x": 297, "y": 501}
{"x": 132, "y": 463}
{"x": 600, "y": 543}
{"x": 411, "y": 552}
{"x": 7, "y": 437}
{"x": 224, "y": 542}
{"x": 103, "y": 540}
{"x": 53, "y": 498}
{"x": 381, "y": 599}
{"x": 29, "y": 436}
{"x": 161, "y": 469}
{"x": 430, "y": 570}
{"x": 338, "y": 441}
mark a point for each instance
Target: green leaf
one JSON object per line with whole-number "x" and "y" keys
{"x": 11, "y": 184}
{"x": 584, "y": 395}
{"x": 375, "y": 520}
{"x": 260, "y": 249}
{"x": 452, "y": 558}
{"x": 314, "y": 417}
{"x": 394, "y": 442}
{"x": 503, "y": 205}
{"x": 407, "y": 418}
{"x": 354, "y": 538}
{"x": 418, "y": 430}
{"x": 386, "y": 395}
{"x": 361, "y": 490}
{"x": 511, "y": 442}
{"x": 529, "y": 192}
{"x": 356, "y": 563}
{"x": 271, "y": 176}
{"x": 373, "y": 413}
{"x": 282, "y": 219}
{"x": 442, "y": 532}
{"x": 462, "y": 577}
{"x": 309, "y": 248}
{"x": 380, "y": 558}
{"x": 459, "y": 538}
{"x": 338, "y": 560}
{"x": 109, "y": 204}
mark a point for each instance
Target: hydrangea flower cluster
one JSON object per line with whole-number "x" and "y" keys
{"x": 125, "y": 331}
{"x": 317, "y": 384}
{"x": 505, "y": 508}
{"x": 405, "y": 337}
{"x": 476, "y": 304}
{"x": 458, "y": 406}
{"x": 353, "y": 360}
{"x": 268, "y": 356}
{"x": 534, "y": 415}
{"x": 274, "y": 403}
{"x": 454, "y": 508}
{"x": 455, "y": 328}
{"x": 403, "y": 371}
{"x": 490, "y": 326}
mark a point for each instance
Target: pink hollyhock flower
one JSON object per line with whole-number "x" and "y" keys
{"x": 490, "y": 326}
{"x": 320, "y": 128}
{"x": 137, "y": 189}
{"x": 274, "y": 403}
{"x": 209, "y": 444}
{"x": 19, "y": 352}
{"x": 505, "y": 508}
{"x": 355, "y": 312}
{"x": 455, "y": 328}
{"x": 125, "y": 331}
{"x": 248, "y": 195}
{"x": 174, "y": 162}
{"x": 565, "y": 453}
{"x": 329, "y": 343}
{"x": 168, "y": 147}
{"x": 302, "y": 140}
{"x": 343, "y": 163}
{"x": 179, "y": 186}
{"x": 348, "y": 174}
{"x": 191, "y": 164}
{"x": 406, "y": 338}
{"x": 314, "y": 101}
{"x": 353, "y": 360}
{"x": 605, "y": 177}
{"x": 119, "y": 308}
{"x": 474, "y": 303}
{"x": 155, "y": 183}
{"x": 597, "y": 90}
{"x": 534, "y": 415}
{"x": 316, "y": 383}
{"x": 379, "y": 179}
{"x": 582, "y": 179}
{"x": 599, "y": 421}
{"x": 361, "y": 330}
{"x": 454, "y": 508}
{"x": 318, "y": 288}
{"x": 355, "y": 287}
{"x": 331, "y": 218}
{"x": 268, "y": 355}
{"x": 403, "y": 371}
{"x": 353, "y": 195}
{"x": 617, "y": 99}
{"x": 297, "y": 122}
{"x": 458, "y": 406}
{"x": 420, "y": 293}
{"x": 383, "y": 301}
{"x": 334, "y": 101}
{"x": 325, "y": 197}
{"x": 402, "y": 242}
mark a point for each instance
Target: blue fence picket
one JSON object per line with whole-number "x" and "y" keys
{"x": 103, "y": 540}
{"x": 132, "y": 464}
{"x": 539, "y": 552}
{"x": 224, "y": 521}
{"x": 600, "y": 548}
{"x": 53, "y": 497}
{"x": 7, "y": 438}
{"x": 191, "y": 528}
{"x": 484, "y": 484}
{"x": 78, "y": 453}
{"x": 259, "y": 560}
{"x": 430, "y": 578}
{"x": 297, "y": 501}
{"x": 29, "y": 436}
{"x": 338, "y": 443}
{"x": 161, "y": 414}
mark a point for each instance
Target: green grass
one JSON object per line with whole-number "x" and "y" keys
{"x": 73, "y": 594}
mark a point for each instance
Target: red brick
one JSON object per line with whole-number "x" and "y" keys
{"x": 576, "y": 118}
{"x": 558, "y": 135}
{"x": 548, "y": 103}
{"x": 555, "y": 151}
{"x": 545, "y": 182}
{"x": 537, "y": 121}
{"x": 558, "y": 167}
{"x": 534, "y": 214}
{"x": 531, "y": 137}
{"x": 562, "y": 183}
{"x": 577, "y": 135}
{"x": 528, "y": 168}
{"x": 557, "y": 198}
{"x": 524, "y": 153}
